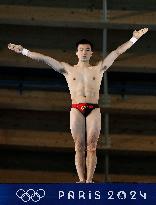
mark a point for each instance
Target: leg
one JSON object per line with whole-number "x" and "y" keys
{"x": 93, "y": 126}
{"x": 77, "y": 126}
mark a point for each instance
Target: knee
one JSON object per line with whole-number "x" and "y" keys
{"x": 79, "y": 145}
{"x": 91, "y": 147}
{"x": 92, "y": 142}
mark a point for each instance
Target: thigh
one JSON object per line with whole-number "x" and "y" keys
{"x": 77, "y": 124}
{"x": 93, "y": 124}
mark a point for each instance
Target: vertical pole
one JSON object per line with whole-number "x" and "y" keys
{"x": 105, "y": 99}
{"x": 104, "y": 51}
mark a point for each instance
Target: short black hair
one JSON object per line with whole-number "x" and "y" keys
{"x": 84, "y": 41}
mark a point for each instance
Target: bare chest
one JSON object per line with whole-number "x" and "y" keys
{"x": 84, "y": 76}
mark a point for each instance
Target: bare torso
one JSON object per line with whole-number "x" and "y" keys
{"x": 84, "y": 83}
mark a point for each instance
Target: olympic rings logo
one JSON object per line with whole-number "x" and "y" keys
{"x": 30, "y": 194}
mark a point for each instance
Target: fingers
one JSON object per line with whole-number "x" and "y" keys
{"x": 144, "y": 30}
{"x": 11, "y": 46}
{"x": 14, "y": 47}
{"x": 139, "y": 33}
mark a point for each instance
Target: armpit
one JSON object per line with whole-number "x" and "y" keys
{"x": 100, "y": 65}
{"x": 104, "y": 68}
{"x": 62, "y": 71}
{"x": 109, "y": 60}
{"x": 65, "y": 68}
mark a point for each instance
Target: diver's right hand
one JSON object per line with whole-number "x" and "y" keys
{"x": 16, "y": 48}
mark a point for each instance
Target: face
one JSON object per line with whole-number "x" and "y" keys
{"x": 84, "y": 52}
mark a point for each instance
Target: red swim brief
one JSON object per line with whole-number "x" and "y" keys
{"x": 85, "y": 108}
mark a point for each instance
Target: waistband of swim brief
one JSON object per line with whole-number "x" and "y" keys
{"x": 85, "y": 104}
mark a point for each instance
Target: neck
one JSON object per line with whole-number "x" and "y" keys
{"x": 83, "y": 63}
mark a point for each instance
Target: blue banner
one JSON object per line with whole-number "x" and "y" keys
{"x": 78, "y": 194}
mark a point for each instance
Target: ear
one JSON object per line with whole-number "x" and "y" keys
{"x": 77, "y": 53}
{"x": 91, "y": 53}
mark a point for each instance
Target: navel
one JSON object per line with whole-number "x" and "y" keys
{"x": 74, "y": 78}
{"x": 93, "y": 78}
